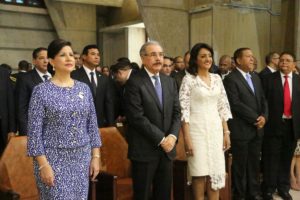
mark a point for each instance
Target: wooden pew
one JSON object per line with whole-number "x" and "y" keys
{"x": 114, "y": 181}
{"x": 16, "y": 170}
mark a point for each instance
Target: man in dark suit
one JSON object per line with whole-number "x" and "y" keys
{"x": 282, "y": 91}
{"x": 272, "y": 60}
{"x": 101, "y": 86}
{"x": 249, "y": 110}
{"x": 27, "y": 82}
{"x": 7, "y": 111}
{"x": 180, "y": 74}
{"x": 224, "y": 66}
{"x": 121, "y": 71}
{"x": 153, "y": 115}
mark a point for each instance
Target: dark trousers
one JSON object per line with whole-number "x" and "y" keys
{"x": 246, "y": 167}
{"x": 153, "y": 179}
{"x": 278, "y": 151}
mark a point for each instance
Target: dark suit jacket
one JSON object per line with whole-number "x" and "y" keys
{"x": 24, "y": 88}
{"x": 178, "y": 78}
{"x": 7, "y": 111}
{"x": 274, "y": 93}
{"x": 148, "y": 122}
{"x": 245, "y": 106}
{"x": 103, "y": 100}
{"x": 264, "y": 72}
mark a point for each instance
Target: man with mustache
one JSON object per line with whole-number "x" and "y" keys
{"x": 249, "y": 110}
{"x": 153, "y": 116}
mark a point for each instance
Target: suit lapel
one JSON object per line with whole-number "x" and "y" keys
{"x": 278, "y": 86}
{"x": 85, "y": 77}
{"x": 243, "y": 80}
{"x": 36, "y": 78}
{"x": 295, "y": 87}
{"x": 150, "y": 87}
{"x": 164, "y": 92}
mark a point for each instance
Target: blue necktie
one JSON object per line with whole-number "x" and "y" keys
{"x": 249, "y": 81}
{"x": 158, "y": 88}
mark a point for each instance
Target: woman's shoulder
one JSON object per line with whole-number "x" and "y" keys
{"x": 216, "y": 77}
{"x": 42, "y": 86}
{"x": 81, "y": 85}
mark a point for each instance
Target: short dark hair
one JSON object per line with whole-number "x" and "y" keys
{"x": 167, "y": 57}
{"x": 86, "y": 49}
{"x": 55, "y": 46}
{"x": 135, "y": 66}
{"x": 120, "y": 66}
{"x": 288, "y": 53}
{"x": 23, "y": 65}
{"x": 193, "y": 67}
{"x": 6, "y": 67}
{"x": 37, "y": 51}
{"x": 239, "y": 53}
{"x": 269, "y": 57}
{"x": 123, "y": 59}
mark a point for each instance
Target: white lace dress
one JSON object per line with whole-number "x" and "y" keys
{"x": 204, "y": 107}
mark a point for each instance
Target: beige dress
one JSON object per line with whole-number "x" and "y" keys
{"x": 204, "y": 107}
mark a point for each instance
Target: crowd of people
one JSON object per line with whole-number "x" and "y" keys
{"x": 62, "y": 98}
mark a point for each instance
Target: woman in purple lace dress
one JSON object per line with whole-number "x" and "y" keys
{"x": 63, "y": 134}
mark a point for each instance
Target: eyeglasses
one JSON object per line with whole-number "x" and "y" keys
{"x": 155, "y": 54}
{"x": 165, "y": 65}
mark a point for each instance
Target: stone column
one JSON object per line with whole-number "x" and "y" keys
{"x": 167, "y": 22}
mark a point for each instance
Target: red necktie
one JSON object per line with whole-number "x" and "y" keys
{"x": 287, "y": 103}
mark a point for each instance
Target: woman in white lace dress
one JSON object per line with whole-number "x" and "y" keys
{"x": 205, "y": 111}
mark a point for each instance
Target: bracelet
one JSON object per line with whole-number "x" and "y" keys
{"x": 41, "y": 167}
{"x": 228, "y": 131}
{"x": 96, "y": 156}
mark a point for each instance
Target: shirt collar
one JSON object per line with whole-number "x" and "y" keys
{"x": 88, "y": 71}
{"x": 242, "y": 72}
{"x": 289, "y": 75}
{"x": 151, "y": 74}
{"x": 271, "y": 69}
{"x": 41, "y": 74}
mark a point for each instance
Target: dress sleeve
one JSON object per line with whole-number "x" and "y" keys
{"x": 184, "y": 98}
{"x": 92, "y": 125}
{"x": 36, "y": 115}
{"x": 223, "y": 104}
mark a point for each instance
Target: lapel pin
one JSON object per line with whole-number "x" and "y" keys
{"x": 80, "y": 95}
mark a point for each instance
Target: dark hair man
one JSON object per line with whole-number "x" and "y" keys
{"x": 249, "y": 110}
{"x": 100, "y": 85}
{"x": 26, "y": 83}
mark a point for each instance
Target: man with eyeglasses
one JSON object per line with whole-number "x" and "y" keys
{"x": 153, "y": 116}
{"x": 272, "y": 60}
{"x": 282, "y": 89}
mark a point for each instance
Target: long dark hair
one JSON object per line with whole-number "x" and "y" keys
{"x": 193, "y": 67}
